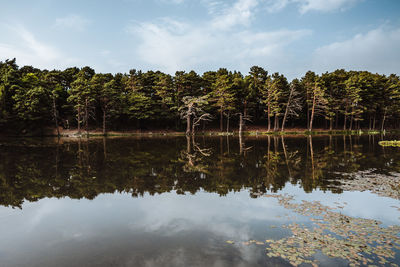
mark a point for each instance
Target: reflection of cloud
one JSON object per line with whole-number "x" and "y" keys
{"x": 201, "y": 210}
{"x": 184, "y": 229}
{"x": 378, "y": 207}
{"x": 41, "y": 213}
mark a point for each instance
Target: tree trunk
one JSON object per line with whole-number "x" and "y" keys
{"x": 383, "y": 121}
{"x": 345, "y": 118}
{"x": 370, "y": 122}
{"x": 374, "y": 122}
{"x": 104, "y": 148}
{"x": 79, "y": 119}
{"x": 55, "y": 116}
{"x": 312, "y": 157}
{"x": 86, "y": 117}
{"x": 284, "y": 118}
{"x": 276, "y": 122}
{"x": 286, "y": 157}
{"x": 227, "y": 122}
{"x": 283, "y": 122}
{"x": 104, "y": 121}
{"x": 351, "y": 122}
{"x": 287, "y": 109}
{"x": 337, "y": 120}
{"x": 240, "y": 143}
{"x": 240, "y": 124}
{"x": 330, "y": 124}
{"x": 244, "y": 114}
{"x": 269, "y": 117}
{"x": 312, "y": 113}
{"x": 221, "y": 120}
{"x": 188, "y": 118}
{"x": 188, "y": 145}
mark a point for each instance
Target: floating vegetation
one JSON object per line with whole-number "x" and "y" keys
{"x": 360, "y": 241}
{"x": 390, "y": 143}
{"x": 382, "y": 185}
{"x": 357, "y": 240}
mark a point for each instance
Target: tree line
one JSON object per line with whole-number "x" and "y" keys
{"x": 32, "y": 99}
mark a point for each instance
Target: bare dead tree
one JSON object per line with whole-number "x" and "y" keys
{"x": 193, "y": 108}
{"x": 293, "y": 105}
{"x": 198, "y": 119}
{"x": 242, "y": 119}
{"x": 319, "y": 104}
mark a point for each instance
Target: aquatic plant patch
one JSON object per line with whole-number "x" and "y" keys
{"x": 382, "y": 185}
{"x": 357, "y": 240}
{"x": 390, "y": 143}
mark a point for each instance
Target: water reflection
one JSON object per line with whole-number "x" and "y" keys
{"x": 157, "y": 201}
{"x": 35, "y": 169}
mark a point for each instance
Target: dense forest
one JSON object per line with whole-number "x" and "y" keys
{"x": 32, "y": 100}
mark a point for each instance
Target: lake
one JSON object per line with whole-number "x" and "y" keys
{"x": 207, "y": 201}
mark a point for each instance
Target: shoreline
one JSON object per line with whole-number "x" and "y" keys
{"x": 261, "y": 132}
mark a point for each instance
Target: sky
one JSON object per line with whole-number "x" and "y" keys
{"x": 286, "y": 36}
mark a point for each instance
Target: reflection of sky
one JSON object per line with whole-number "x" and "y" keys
{"x": 167, "y": 229}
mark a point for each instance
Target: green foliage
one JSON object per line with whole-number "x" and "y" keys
{"x": 222, "y": 93}
{"x": 82, "y": 94}
{"x": 32, "y": 99}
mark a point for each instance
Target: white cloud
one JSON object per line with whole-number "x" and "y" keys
{"x": 238, "y": 14}
{"x": 72, "y": 21}
{"x": 324, "y": 5}
{"x": 311, "y": 5}
{"x": 176, "y": 2}
{"x": 276, "y": 5}
{"x": 171, "y": 45}
{"x": 376, "y": 51}
{"x": 30, "y": 51}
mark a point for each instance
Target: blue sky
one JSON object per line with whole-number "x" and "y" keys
{"x": 288, "y": 36}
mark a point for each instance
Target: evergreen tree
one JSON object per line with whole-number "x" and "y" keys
{"x": 223, "y": 96}
{"x": 82, "y": 96}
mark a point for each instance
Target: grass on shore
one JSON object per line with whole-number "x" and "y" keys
{"x": 217, "y": 133}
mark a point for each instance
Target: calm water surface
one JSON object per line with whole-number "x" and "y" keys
{"x": 185, "y": 202}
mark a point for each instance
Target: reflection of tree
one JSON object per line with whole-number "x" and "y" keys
{"x": 292, "y": 159}
{"x": 32, "y": 170}
{"x": 273, "y": 160}
{"x": 242, "y": 146}
{"x": 193, "y": 156}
